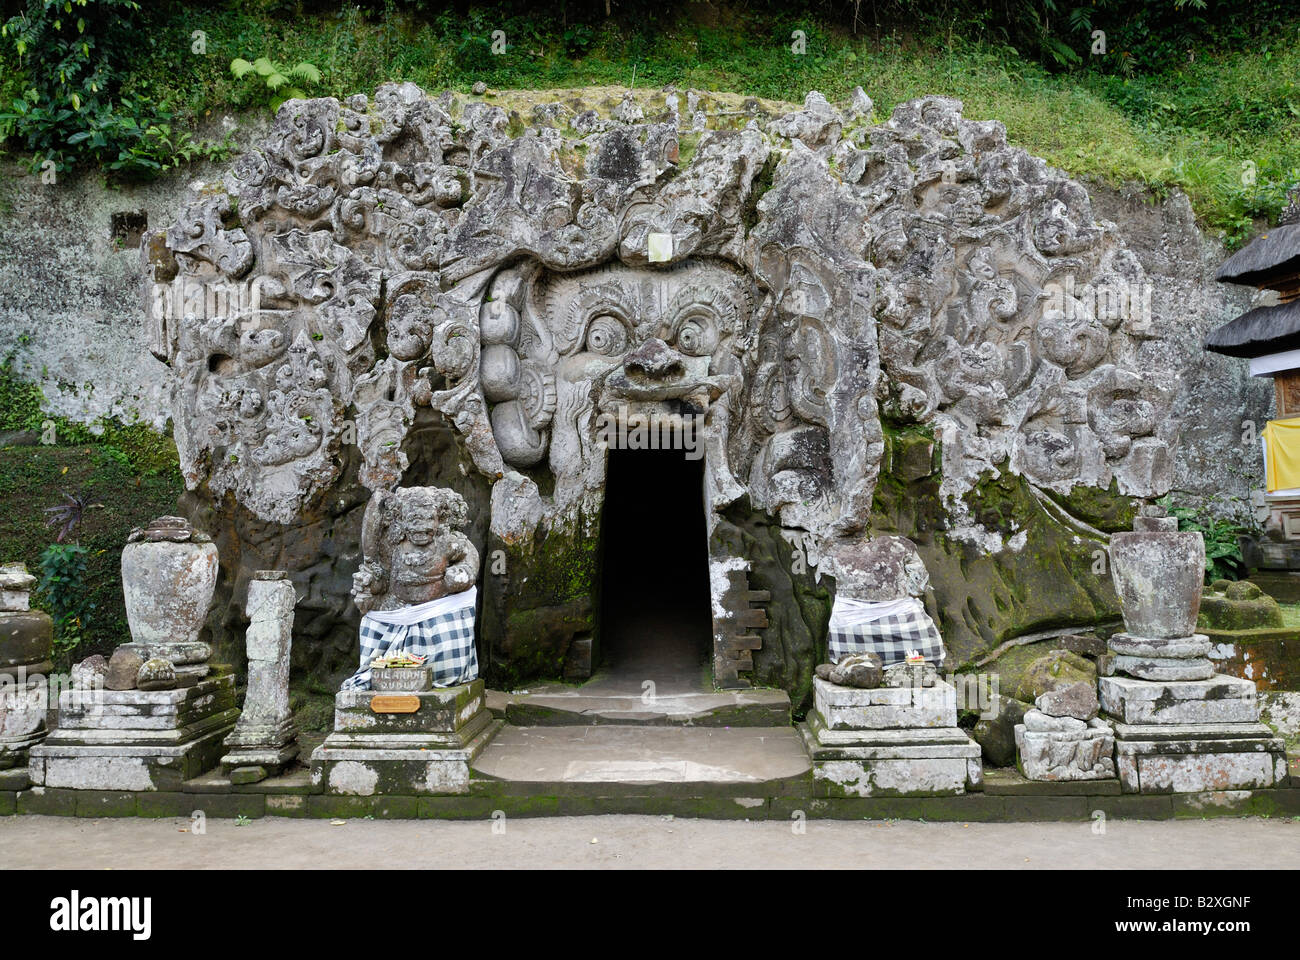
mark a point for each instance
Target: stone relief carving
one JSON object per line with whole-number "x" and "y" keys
{"x": 824, "y": 277}
{"x": 413, "y": 551}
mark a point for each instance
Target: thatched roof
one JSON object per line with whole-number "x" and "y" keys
{"x": 1258, "y": 332}
{"x": 1271, "y": 256}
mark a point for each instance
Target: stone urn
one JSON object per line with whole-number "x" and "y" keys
{"x": 169, "y": 572}
{"x": 26, "y": 635}
{"x": 1158, "y": 574}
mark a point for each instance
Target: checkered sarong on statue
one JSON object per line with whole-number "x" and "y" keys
{"x": 890, "y": 629}
{"x": 441, "y": 631}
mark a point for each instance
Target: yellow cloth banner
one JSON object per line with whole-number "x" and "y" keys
{"x": 1282, "y": 454}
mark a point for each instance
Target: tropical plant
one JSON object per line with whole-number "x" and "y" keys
{"x": 63, "y": 575}
{"x": 69, "y": 514}
{"x": 1223, "y": 559}
{"x": 278, "y": 82}
{"x": 74, "y": 56}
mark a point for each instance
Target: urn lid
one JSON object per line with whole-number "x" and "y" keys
{"x": 1152, "y": 519}
{"x": 15, "y": 585}
{"x": 14, "y": 576}
{"x": 168, "y": 529}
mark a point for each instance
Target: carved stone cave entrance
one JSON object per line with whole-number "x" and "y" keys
{"x": 655, "y": 608}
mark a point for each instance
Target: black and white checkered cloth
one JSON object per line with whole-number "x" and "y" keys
{"x": 890, "y": 629}
{"x": 441, "y": 631}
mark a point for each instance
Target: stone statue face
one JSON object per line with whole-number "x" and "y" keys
{"x": 409, "y": 535}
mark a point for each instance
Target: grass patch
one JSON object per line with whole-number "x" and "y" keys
{"x": 1224, "y": 127}
{"x": 31, "y": 479}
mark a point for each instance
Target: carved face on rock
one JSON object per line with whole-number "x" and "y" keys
{"x": 416, "y": 559}
{"x": 410, "y": 536}
{"x": 557, "y": 347}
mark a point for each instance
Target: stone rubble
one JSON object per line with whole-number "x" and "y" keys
{"x": 1063, "y": 739}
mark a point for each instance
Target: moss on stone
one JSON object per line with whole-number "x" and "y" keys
{"x": 545, "y": 598}
{"x": 1045, "y": 575}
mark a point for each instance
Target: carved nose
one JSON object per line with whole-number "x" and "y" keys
{"x": 655, "y": 360}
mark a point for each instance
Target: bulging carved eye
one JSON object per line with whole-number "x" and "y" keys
{"x": 606, "y": 336}
{"x": 695, "y": 338}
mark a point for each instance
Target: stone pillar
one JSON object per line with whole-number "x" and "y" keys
{"x": 26, "y": 637}
{"x": 265, "y": 740}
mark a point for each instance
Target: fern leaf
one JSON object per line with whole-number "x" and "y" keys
{"x": 306, "y": 72}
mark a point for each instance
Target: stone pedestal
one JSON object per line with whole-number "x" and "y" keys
{"x": 889, "y": 742}
{"x": 265, "y": 740}
{"x": 1180, "y": 728}
{"x": 1191, "y": 736}
{"x": 403, "y": 743}
{"x": 137, "y": 739}
{"x": 23, "y": 703}
{"x": 26, "y": 637}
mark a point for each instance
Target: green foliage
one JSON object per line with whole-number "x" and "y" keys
{"x": 1223, "y": 559}
{"x": 135, "y": 446}
{"x": 29, "y": 475}
{"x": 273, "y": 82}
{"x": 63, "y": 588}
{"x": 72, "y": 59}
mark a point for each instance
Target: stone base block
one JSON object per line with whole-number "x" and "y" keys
{"x": 1164, "y": 668}
{"x": 1058, "y": 756}
{"x": 366, "y": 766}
{"x": 1182, "y": 648}
{"x": 22, "y": 720}
{"x": 1220, "y": 699}
{"x": 127, "y": 765}
{"x": 1196, "y": 758}
{"x": 884, "y": 708}
{"x": 441, "y": 711}
{"x": 163, "y": 716}
{"x": 271, "y": 746}
{"x": 271, "y": 759}
{"x": 137, "y": 739}
{"x": 917, "y": 762}
{"x": 414, "y": 744}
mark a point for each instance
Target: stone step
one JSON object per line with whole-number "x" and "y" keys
{"x": 562, "y": 705}
{"x": 643, "y": 761}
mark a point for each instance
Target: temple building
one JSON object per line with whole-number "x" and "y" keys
{"x": 1269, "y": 336}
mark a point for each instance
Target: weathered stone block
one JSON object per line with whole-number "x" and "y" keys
{"x": 915, "y": 762}
{"x": 851, "y": 708}
{"x": 1197, "y": 757}
{"x": 136, "y": 739}
{"x": 1064, "y": 756}
{"x": 426, "y": 751}
{"x": 1217, "y": 700}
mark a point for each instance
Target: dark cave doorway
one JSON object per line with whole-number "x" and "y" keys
{"x": 656, "y": 619}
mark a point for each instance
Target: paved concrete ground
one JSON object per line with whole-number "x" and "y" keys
{"x": 638, "y": 842}
{"x": 617, "y": 754}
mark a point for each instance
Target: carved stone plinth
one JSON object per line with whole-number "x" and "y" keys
{"x": 1191, "y": 736}
{"x": 137, "y": 739}
{"x": 22, "y": 718}
{"x": 889, "y": 742}
{"x": 403, "y": 743}
{"x": 1065, "y": 748}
